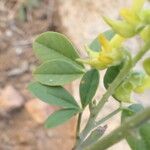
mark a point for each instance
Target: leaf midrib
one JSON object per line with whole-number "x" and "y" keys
{"x": 58, "y": 74}
{"x": 59, "y": 53}
{"x": 64, "y": 100}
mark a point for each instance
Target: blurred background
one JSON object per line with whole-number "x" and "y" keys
{"x": 21, "y": 115}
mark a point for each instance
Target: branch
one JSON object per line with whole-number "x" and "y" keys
{"x": 78, "y": 125}
{"x": 121, "y": 76}
{"x": 107, "y": 117}
{"x": 141, "y": 53}
{"x": 121, "y": 132}
{"x": 91, "y": 122}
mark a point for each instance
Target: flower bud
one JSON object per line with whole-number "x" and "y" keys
{"x": 135, "y": 82}
{"x": 120, "y": 27}
{"x": 133, "y": 21}
{"x": 129, "y": 16}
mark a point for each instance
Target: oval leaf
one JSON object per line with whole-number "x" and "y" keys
{"x": 53, "y": 45}
{"x": 146, "y": 65}
{"x": 130, "y": 111}
{"x": 88, "y": 86}
{"x": 57, "y": 96}
{"x": 57, "y": 72}
{"x": 111, "y": 74}
{"x": 59, "y": 117}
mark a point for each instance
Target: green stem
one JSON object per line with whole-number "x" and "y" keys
{"x": 78, "y": 131}
{"x": 107, "y": 117}
{"x": 85, "y": 132}
{"x": 78, "y": 125}
{"x": 141, "y": 53}
{"x": 120, "y": 133}
{"x": 110, "y": 91}
{"x": 123, "y": 73}
{"x": 121, "y": 76}
{"x": 89, "y": 125}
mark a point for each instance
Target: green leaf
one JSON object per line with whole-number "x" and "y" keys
{"x": 88, "y": 86}
{"x": 138, "y": 139}
{"x": 111, "y": 74}
{"x": 109, "y": 34}
{"x": 52, "y": 95}
{"x": 146, "y": 65}
{"x": 57, "y": 72}
{"x": 131, "y": 110}
{"x": 53, "y": 45}
{"x": 59, "y": 117}
{"x": 95, "y": 45}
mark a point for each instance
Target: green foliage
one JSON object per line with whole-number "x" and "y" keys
{"x": 61, "y": 64}
{"x": 58, "y": 60}
{"x": 131, "y": 83}
{"x": 131, "y": 110}
{"x": 88, "y": 86}
{"x": 53, "y": 45}
{"x": 128, "y": 86}
{"x": 57, "y": 96}
{"x": 138, "y": 139}
{"x": 59, "y": 67}
{"x": 60, "y": 117}
{"x": 53, "y": 95}
{"x": 111, "y": 74}
{"x": 57, "y": 72}
{"x": 94, "y": 136}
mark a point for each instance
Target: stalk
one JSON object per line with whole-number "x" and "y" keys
{"x": 110, "y": 91}
{"x": 120, "y": 133}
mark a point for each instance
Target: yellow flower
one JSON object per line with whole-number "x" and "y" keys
{"x": 110, "y": 53}
{"x": 131, "y": 23}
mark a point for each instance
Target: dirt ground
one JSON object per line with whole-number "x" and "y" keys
{"x": 18, "y": 131}
{"x": 16, "y": 57}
